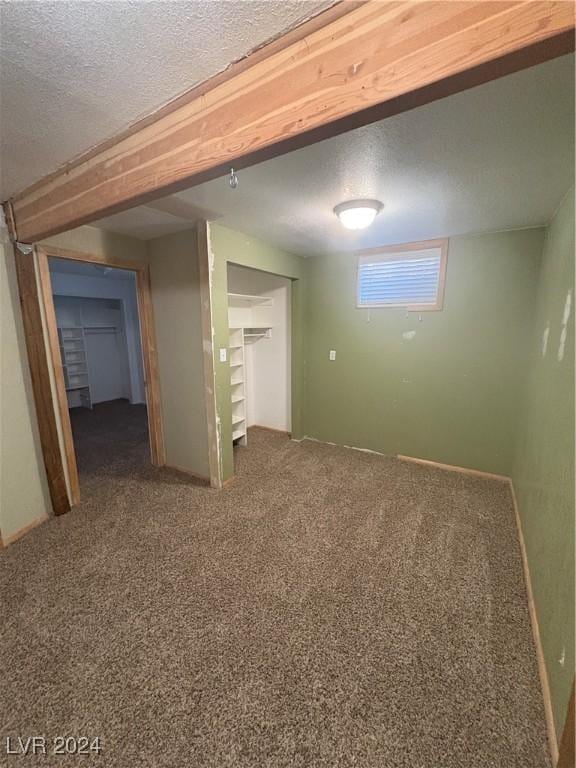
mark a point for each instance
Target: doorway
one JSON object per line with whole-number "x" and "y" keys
{"x": 98, "y": 319}
{"x": 260, "y": 333}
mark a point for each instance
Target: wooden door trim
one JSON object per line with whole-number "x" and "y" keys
{"x": 30, "y": 303}
{"x": 346, "y": 68}
{"x": 149, "y": 355}
{"x": 58, "y": 374}
{"x": 151, "y": 369}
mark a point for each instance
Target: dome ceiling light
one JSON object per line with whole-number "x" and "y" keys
{"x": 358, "y": 214}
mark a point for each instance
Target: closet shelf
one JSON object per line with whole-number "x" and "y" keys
{"x": 249, "y": 313}
{"x": 263, "y": 334}
{"x": 237, "y": 375}
{"x": 245, "y": 300}
{"x": 74, "y": 363}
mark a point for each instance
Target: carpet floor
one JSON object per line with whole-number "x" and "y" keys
{"x": 328, "y": 608}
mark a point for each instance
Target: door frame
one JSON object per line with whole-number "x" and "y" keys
{"x": 149, "y": 355}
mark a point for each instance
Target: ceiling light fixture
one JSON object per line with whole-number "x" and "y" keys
{"x": 358, "y": 214}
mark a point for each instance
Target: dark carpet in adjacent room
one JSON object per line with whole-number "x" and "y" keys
{"x": 328, "y": 608}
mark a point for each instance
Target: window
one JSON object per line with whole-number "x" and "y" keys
{"x": 410, "y": 275}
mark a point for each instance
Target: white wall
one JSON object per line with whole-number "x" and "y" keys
{"x": 24, "y": 494}
{"x": 106, "y": 346}
{"x": 123, "y": 289}
{"x": 267, "y": 361}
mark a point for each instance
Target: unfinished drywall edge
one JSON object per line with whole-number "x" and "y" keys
{"x": 211, "y": 267}
{"x": 542, "y": 670}
{"x": 213, "y": 422}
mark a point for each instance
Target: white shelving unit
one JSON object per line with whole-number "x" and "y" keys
{"x": 238, "y": 386}
{"x": 249, "y": 319}
{"x": 74, "y": 361}
{"x": 250, "y": 312}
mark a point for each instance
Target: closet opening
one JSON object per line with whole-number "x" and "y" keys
{"x": 260, "y": 336}
{"x": 96, "y": 310}
{"x": 98, "y": 321}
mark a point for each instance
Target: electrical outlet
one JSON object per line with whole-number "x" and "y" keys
{"x": 223, "y": 355}
{"x": 332, "y": 354}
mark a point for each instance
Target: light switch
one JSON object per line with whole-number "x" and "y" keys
{"x": 223, "y": 354}
{"x": 332, "y": 354}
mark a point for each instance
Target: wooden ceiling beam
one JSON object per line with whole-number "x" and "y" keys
{"x": 353, "y": 64}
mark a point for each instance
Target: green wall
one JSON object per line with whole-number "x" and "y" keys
{"x": 449, "y": 394}
{"x": 469, "y": 388}
{"x": 543, "y": 471}
{"x": 228, "y": 246}
{"x": 460, "y": 375}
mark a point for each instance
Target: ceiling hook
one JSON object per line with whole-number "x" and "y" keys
{"x": 233, "y": 179}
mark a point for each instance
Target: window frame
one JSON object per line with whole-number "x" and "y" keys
{"x": 394, "y": 251}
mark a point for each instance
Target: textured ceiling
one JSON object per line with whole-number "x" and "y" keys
{"x": 73, "y": 73}
{"x": 499, "y": 156}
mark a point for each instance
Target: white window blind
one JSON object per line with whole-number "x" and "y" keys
{"x": 402, "y": 278}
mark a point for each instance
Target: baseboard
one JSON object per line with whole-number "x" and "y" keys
{"x": 7, "y": 540}
{"x": 543, "y": 672}
{"x": 455, "y": 468}
{"x": 415, "y": 460}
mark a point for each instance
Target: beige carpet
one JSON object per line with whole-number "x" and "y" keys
{"x": 329, "y": 608}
